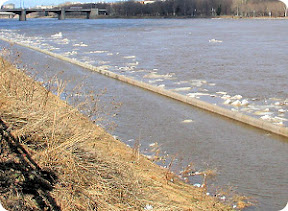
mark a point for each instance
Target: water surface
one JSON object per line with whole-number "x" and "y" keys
{"x": 245, "y": 58}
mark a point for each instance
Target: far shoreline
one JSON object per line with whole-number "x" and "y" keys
{"x": 158, "y": 17}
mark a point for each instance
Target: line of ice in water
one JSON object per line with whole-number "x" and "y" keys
{"x": 273, "y": 110}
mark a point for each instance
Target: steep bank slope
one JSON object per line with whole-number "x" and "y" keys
{"x": 53, "y": 157}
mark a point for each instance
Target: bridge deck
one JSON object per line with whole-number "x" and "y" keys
{"x": 51, "y": 10}
{"x": 91, "y": 13}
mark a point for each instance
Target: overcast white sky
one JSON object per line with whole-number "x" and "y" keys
{"x": 32, "y": 3}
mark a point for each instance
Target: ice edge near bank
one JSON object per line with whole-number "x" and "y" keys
{"x": 235, "y": 115}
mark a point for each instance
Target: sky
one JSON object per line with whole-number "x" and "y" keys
{"x": 33, "y": 3}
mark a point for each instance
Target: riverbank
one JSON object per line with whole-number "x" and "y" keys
{"x": 54, "y": 157}
{"x": 35, "y": 16}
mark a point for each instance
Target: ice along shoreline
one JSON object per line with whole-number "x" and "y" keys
{"x": 232, "y": 114}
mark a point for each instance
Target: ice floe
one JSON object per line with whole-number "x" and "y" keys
{"x": 64, "y": 41}
{"x": 197, "y": 83}
{"x": 129, "y": 57}
{"x": 155, "y": 144}
{"x": 223, "y": 198}
{"x": 225, "y": 97}
{"x": 181, "y": 89}
{"x": 103, "y": 62}
{"x": 133, "y": 63}
{"x": 215, "y": 41}
{"x": 236, "y": 103}
{"x": 81, "y": 44}
{"x": 227, "y": 102}
{"x": 197, "y": 185}
{"x": 97, "y": 52}
{"x": 53, "y": 48}
{"x": 57, "y": 35}
{"x": 155, "y": 81}
{"x": 277, "y": 104}
{"x": 148, "y": 207}
{"x": 281, "y": 119}
{"x": 266, "y": 117}
{"x": 259, "y": 113}
{"x": 244, "y": 102}
{"x": 181, "y": 82}
{"x": 154, "y": 75}
{"x": 70, "y": 53}
{"x": 187, "y": 121}
{"x": 236, "y": 97}
{"x": 126, "y": 68}
{"x": 197, "y": 94}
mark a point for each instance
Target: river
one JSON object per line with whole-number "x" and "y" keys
{"x": 212, "y": 59}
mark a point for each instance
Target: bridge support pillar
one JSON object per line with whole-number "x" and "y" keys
{"x": 93, "y": 13}
{"x": 61, "y": 15}
{"x": 22, "y": 15}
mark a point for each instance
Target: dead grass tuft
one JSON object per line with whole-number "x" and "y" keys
{"x": 83, "y": 167}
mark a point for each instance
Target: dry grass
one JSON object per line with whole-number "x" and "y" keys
{"x": 83, "y": 167}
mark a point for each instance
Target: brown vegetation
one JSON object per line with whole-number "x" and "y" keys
{"x": 191, "y": 8}
{"x": 53, "y": 157}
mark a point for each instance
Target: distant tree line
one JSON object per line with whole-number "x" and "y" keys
{"x": 191, "y": 8}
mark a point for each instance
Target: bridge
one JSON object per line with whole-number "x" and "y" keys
{"x": 92, "y": 13}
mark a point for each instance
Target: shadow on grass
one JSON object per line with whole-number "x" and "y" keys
{"x": 20, "y": 175}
